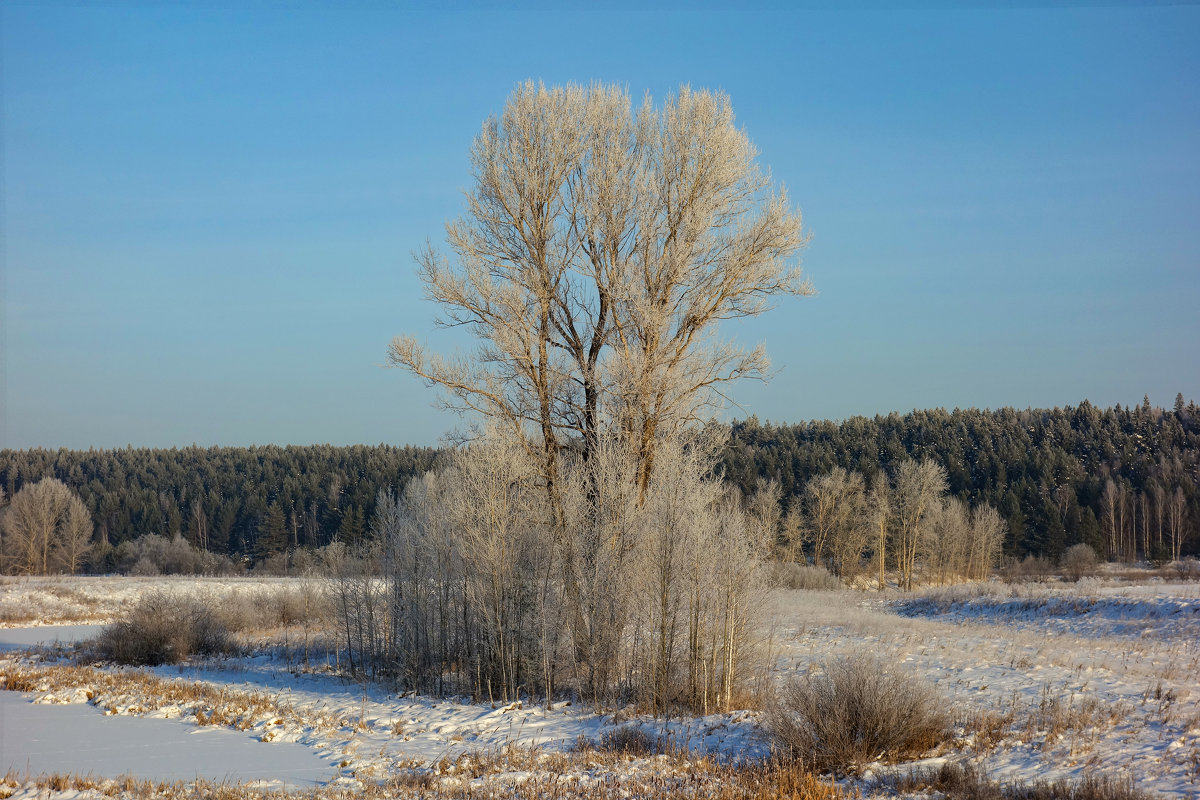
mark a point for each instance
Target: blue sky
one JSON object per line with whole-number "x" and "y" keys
{"x": 209, "y": 211}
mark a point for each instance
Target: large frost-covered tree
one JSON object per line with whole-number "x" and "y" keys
{"x": 600, "y": 248}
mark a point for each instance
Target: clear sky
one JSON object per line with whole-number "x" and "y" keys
{"x": 209, "y": 211}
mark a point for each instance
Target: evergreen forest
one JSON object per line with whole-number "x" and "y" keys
{"x": 1062, "y": 476}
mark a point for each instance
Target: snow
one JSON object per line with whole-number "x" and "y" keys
{"x": 1046, "y": 682}
{"x": 1096, "y": 678}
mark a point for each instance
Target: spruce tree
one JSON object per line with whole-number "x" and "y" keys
{"x": 272, "y": 533}
{"x": 350, "y": 532}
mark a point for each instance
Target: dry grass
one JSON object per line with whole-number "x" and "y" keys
{"x": 964, "y": 782}
{"x": 788, "y": 575}
{"x": 481, "y": 778}
{"x": 1055, "y": 716}
{"x": 26, "y": 601}
{"x": 249, "y": 604}
{"x": 987, "y": 729}
{"x": 1080, "y": 720}
{"x": 598, "y": 774}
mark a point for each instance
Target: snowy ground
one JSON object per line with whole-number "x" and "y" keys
{"x": 1046, "y": 682}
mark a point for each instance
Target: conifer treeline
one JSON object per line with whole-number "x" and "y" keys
{"x": 240, "y": 501}
{"x": 1046, "y": 471}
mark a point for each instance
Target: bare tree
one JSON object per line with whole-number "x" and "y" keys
{"x": 1110, "y": 501}
{"x": 851, "y": 531}
{"x": 1127, "y": 541}
{"x": 46, "y": 527}
{"x": 198, "y": 526}
{"x": 794, "y": 534}
{"x": 824, "y": 500}
{"x": 495, "y": 521}
{"x": 75, "y": 534}
{"x": 987, "y": 536}
{"x": 475, "y": 590}
{"x": 1159, "y": 494}
{"x": 881, "y": 516}
{"x": 945, "y": 539}
{"x": 764, "y": 515}
{"x": 918, "y": 487}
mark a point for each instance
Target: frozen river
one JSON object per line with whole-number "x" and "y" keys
{"x": 37, "y": 738}
{"x": 22, "y": 638}
{"x": 42, "y": 738}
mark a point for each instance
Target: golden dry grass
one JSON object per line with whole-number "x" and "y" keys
{"x": 695, "y": 779}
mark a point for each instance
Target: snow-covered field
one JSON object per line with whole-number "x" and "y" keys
{"x": 32, "y": 601}
{"x": 1046, "y": 682}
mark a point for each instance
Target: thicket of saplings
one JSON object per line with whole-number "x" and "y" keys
{"x": 611, "y": 594}
{"x": 905, "y": 523}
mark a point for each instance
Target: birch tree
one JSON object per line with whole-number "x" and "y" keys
{"x": 1176, "y": 522}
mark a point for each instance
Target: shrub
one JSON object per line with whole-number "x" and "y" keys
{"x": 1079, "y": 561}
{"x": 1188, "y": 568}
{"x": 789, "y": 575}
{"x": 854, "y": 711}
{"x": 144, "y": 567}
{"x": 1033, "y": 568}
{"x": 163, "y": 629}
{"x": 157, "y": 555}
{"x": 630, "y": 739}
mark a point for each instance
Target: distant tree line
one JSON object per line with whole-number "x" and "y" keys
{"x": 244, "y": 502}
{"x": 1122, "y": 480}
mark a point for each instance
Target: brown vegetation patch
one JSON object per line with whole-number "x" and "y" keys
{"x": 965, "y": 782}
{"x": 857, "y": 710}
{"x": 476, "y": 778}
